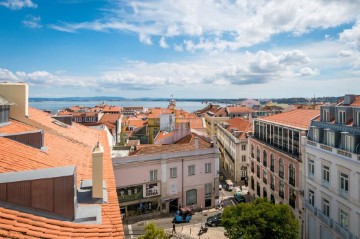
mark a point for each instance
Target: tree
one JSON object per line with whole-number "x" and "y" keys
{"x": 260, "y": 219}
{"x": 151, "y": 232}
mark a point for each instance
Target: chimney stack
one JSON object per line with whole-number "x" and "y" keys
{"x": 196, "y": 142}
{"x": 97, "y": 171}
{"x": 19, "y": 94}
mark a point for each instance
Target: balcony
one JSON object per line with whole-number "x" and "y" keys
{"x": 274, "y": 145}
{"x": 344, "y": 193}
{"x": 342, "y": 231}
{"x": 310, "y": 207}
{"x": 325, "y": 219}
{"x": 311, "y": 176}
{"x": 325, "y": 183}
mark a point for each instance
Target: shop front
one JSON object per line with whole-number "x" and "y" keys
{"x": 139, "y": 199}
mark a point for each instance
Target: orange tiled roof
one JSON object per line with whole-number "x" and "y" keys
{"x": 15, "y": 127}
{"x": 300, "y": 118}
{"x": 65, "y": 146}
{"x": 111, "y": 118}
{"x": 238, "y": 109}
{"x": 221, "y": 113}
{"x": 163, "y": 134}
{"x": 196, "y": 123}
{"x": 356, "y": 101}
{"x": 177, "y": 147}
{"x": 240, "y": 125}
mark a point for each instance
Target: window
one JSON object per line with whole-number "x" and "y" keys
{"x": 264, "y": 158}
{"x": 272, "y": 163}
{"x": 341, "y": 117}
{"x": 272, "y": 182}
{"x": 207, "y": 168}
{"x": 252, "y": 150}
{"x": 208, "y": 190}
{"x": 173, "y": 173}
{"x": 311, "y": 197}
{"x": 191, "y": 170}
{"x": 357, "y": 118}
{"x": 344, "y": 219}
{"x": 265, "y": 176}
{"x": 349, "y": 143}
{"x": 281, "y": 189}
{"x": 153, "y": 175}
{"x": 325, "y": 176}
{"x": 311, "y": 168}
{"x": 281, "y": 168}
{"x": 330, "y": 138}
{"x": 243, "y": 147}
{"x": 252, "y": 166}
{"x": 258, "y": 171}
{"x": 344, "y": 185}
{"x": 258, "y": 153}
{"x": 292, "y": 198}
{"x": 258, "y": 188}
{"x": 191, "y": 197}
{"x": 325, "y": 207}
{"x": 264, "y": 192}
{"x": 252, "y": 183}
{"x": 292, "y": 175}
{"x": 326, "y": 115}
{"x": 243, "y": 158}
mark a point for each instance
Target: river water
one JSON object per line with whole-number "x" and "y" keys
{"x": 54, "y": 106}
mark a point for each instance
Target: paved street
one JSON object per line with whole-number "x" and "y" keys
{"x": 184, "y": 230}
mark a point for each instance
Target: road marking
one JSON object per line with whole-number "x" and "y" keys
{"x": 130, "y": 231}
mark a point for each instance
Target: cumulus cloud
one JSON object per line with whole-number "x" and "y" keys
{"x": 18, "y": 4}
{"x": 32, "y": 22}
{"x": 163, "y": 43}
{"x": 307, "y": 71}
{"x": 212, "y": 25}
{"x": 352, "y": 36}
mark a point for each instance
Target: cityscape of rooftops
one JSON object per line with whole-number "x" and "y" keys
{"x": 161, "y": 119}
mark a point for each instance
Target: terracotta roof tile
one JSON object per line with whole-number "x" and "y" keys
{"x": 238, "y": 109}
{"x": 300, "y": 118}
{"x": 65, "y": 146}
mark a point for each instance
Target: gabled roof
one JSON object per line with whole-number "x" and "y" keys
{"x": 300, "y": 118}
{"x": 111, "y": 118}
{"x": 71, "y": 146}
{"x": 239, "y": 124}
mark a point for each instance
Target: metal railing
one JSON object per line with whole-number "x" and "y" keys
{"x": 325, "y": 219}
{"x": 310, "y": 207}
{"x": 342, "y": 231}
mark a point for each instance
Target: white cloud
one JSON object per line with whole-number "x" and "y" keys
{"x": 307, "y": 71}
{"x": 32, "y": 22}
{"x": 345, "y": 53}
{"x": 212, "y": 25}
{"x": 18, "y": 4}
{"x": 163, "y": 43}
{"x": 144, "y": 38}
{"x": 352, "y": 36}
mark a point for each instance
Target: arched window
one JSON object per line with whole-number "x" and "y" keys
{"x": 292, "y": 175}
{"x": 258, "y": 153}
{"x": 264, "y": 158}
{"x": 191, "y": 197}
{"x": 281, "y": 168}
{"x": 252, "y": 150}
{"x": 272, "y": 163}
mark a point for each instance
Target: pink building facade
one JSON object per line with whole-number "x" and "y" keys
{"x": 164, "y": 181}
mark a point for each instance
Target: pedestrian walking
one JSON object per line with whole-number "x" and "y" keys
{"x": 173, "y": 230}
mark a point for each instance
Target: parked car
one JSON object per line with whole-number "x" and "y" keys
{"x": 214, "y": 220}
{"x": 220, "y": 186}
{"x": 183, "y": 215}
{"x": 239, "y": 197}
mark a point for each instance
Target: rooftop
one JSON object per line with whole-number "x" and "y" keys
{"x": 70, "y": 146}
{"x": 300, "y": 118}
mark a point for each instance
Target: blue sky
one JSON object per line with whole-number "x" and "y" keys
{"x": 189, "y": 49}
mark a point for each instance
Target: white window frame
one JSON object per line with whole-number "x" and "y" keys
{"x": 344, "y": 219}
{"x": 311, "y": 168}
{"x": 344, "y": 185}
{"x": 325, "y": 207}
{"x": 153, "y": 175}
{"x": 349, "y": 143}
{"x": 341, "y": 116}
{"x": 311, "y": 197}
{"x": 208, "y": 190}
{"x": 330, "y": 138}
{"x": 326, "y": 114}
{"x": 191, "y": 170}
{"x": 173, "y": 172}
{"x": 208, "y": 168}
{"x": 326, "y": 174}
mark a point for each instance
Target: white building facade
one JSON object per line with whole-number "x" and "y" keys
{"x": 332, "y": 172}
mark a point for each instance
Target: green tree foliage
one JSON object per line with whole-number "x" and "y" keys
{"x": 260, "y": 219}
{"x": 151, "y": 232}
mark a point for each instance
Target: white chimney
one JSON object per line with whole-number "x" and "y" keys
{"x": 196, "y": 142}
{"x": 97, "y": 171}
{"x": 19, "y": 94}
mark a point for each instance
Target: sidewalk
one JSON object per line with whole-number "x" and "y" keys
{"x": 191, "y": 232}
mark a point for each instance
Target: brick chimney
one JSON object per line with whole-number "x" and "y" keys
{"x": 19, "y": 94}
{"x": 97, "y": 171}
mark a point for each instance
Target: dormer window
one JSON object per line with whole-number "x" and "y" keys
{"x": 330, "y": 138}
{"x": 326, "y": 115}
{"x": 349, "y": 143}
{"x": 341, "y": 117}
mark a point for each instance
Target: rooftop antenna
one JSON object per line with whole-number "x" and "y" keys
{"x": 314, "y": 101}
